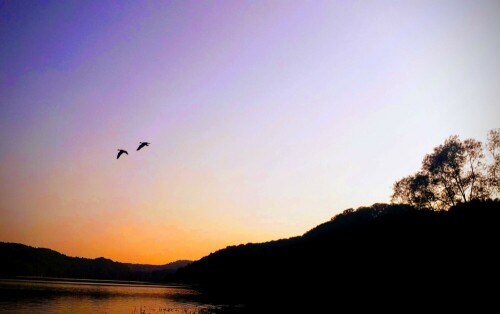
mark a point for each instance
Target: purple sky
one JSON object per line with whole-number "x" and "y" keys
{"x": 265, "y": 118}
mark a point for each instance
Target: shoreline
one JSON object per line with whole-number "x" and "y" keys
{"x": 104, "y": 282}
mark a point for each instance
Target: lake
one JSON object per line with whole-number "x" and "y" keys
{"x": 78, "y": 296}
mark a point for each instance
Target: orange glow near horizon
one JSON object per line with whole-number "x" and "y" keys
{"x": 265, "y": 118}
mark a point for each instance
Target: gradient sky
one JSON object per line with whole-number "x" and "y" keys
{"x": 266, "y": 118}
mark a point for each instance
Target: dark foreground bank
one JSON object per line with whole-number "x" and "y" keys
{"x": 383, "y": 255}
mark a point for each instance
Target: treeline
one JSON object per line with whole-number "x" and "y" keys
{"x": 22, "y": 260}
{"x": 455, "y": 172}
{"x": 381, "y": 253}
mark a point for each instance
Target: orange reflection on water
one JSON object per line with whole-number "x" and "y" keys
{"x": 42, "y": 296}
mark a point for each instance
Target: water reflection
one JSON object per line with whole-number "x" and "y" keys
{"x": 39, "y": 296}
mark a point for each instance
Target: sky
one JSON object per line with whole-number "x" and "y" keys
{"x": 265, "y": 118}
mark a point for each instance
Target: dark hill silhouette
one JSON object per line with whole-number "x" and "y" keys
{"x": 170, "y": 267}
{"x": 389, "y": 256}
{"x": 381, "y": 253}
{"x": 22, "y": 260}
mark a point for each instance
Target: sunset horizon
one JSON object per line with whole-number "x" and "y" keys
{"x": 264, "y": 120}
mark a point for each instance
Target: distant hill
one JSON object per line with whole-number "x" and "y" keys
{"x": 22, "y": 260}
{"x": 381, "y": 253}
{"x": 170, "y": 267}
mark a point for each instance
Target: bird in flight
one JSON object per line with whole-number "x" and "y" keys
{"x": 143, "y": 144}
{"x": 120, "y": 152}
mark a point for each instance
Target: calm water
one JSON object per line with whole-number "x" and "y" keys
{"x": 43, "y": 296}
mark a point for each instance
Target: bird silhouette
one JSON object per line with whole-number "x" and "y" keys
{"x": 143, "y": 144}
{"x": 120, "y": 152}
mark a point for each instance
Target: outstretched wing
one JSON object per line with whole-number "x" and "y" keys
{"x": 141, "y": 146}
{"x": 120, "y": 153}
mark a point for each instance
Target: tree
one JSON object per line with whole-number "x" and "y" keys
{"x": 415, "y": 190}
{"x": 493, "y": 147}
{"x": 474, "y": 170}
{"x": 454, "y": 172}
{"x": 443, "y": 167}
{"x": 402, "y": 191}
